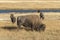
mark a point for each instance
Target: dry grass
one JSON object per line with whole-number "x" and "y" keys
{"x": 52, "y": 31}
{"x": 30, "y": 0}
{"x": 30, "y": 5}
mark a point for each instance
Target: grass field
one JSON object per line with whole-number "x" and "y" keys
{"x": 29, "y": 0}
{"x": 52, "y": 31}
{"x": 30, "y": 5}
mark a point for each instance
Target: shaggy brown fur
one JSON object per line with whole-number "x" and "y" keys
{"x": 32, "y": 21}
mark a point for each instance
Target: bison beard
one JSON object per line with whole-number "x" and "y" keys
{"x": 31, "y": 21}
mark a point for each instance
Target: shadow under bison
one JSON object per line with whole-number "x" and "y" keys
{"x": 11, "y": 28}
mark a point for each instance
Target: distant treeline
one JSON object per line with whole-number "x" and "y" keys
{"x": 43, "y": 10}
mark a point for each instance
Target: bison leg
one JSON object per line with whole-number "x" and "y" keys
{"x": 19, "y": 23}
{"x": 41, "y": 27}
{"x": 32, "y": 28}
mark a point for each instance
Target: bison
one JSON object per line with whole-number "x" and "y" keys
{"x": 31, "y": 21}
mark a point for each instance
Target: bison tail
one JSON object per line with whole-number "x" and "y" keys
{"x": 13, "y": 19}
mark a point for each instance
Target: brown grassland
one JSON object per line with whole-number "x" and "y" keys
{"x": 29, "y": 0}
{"x": 8, "y": 31}
{"x": 52, "y": 31}
{"x": 30, "y": 5}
